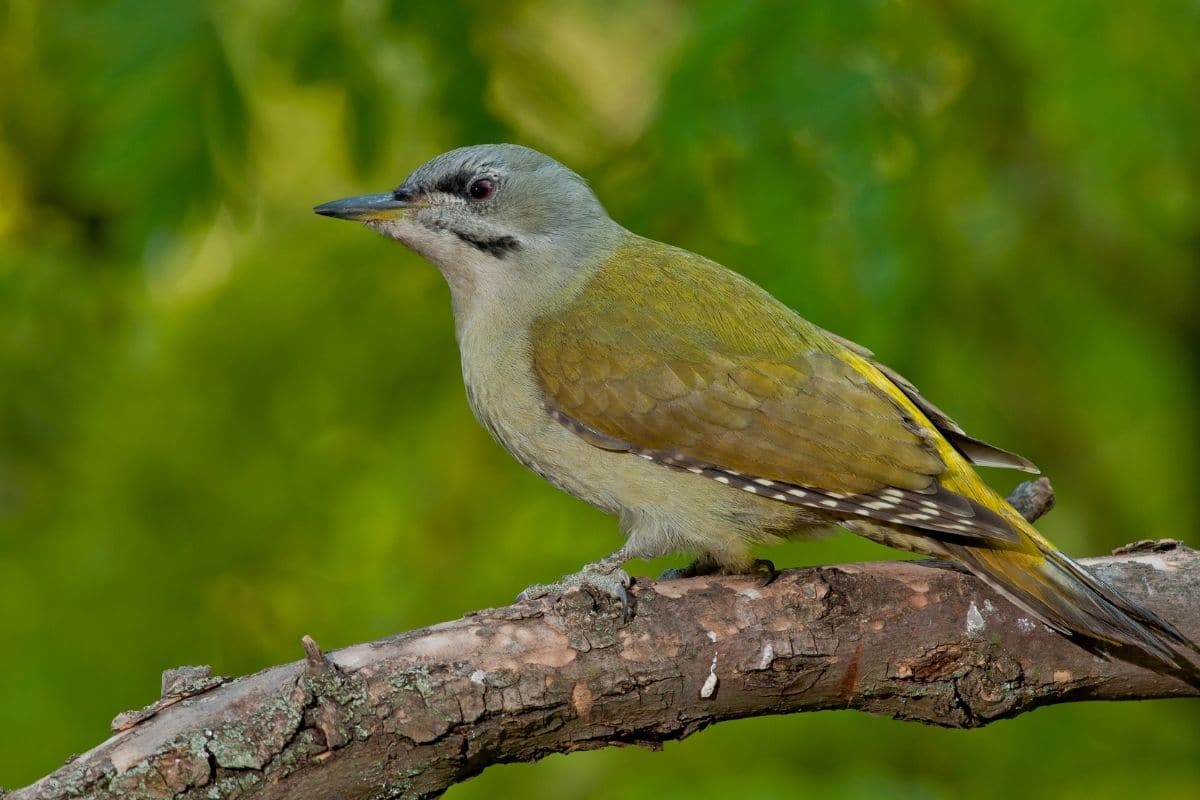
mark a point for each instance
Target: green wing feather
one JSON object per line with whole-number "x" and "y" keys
{"x": 744, "y": 391}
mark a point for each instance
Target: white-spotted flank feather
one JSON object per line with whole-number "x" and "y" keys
{"x": 933, "y": 509}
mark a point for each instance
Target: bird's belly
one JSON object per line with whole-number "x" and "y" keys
{"x": 508, "y": 403}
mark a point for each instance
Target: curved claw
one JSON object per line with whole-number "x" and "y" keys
{"x": 767, "y": 567}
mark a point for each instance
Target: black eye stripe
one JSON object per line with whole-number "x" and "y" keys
{"x": 454, "y": 184}
{"x": 459, "y": 183}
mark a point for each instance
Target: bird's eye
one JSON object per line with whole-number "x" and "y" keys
{"x": 481, "y": 189}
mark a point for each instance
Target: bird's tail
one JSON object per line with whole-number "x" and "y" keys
{"x": 1064, "y": 595}
{"x": 1026, "y": 568}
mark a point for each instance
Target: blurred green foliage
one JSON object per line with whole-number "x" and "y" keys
{"x": 225, "y": 422}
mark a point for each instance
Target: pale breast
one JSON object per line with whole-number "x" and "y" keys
{"x": 508, "y": 403}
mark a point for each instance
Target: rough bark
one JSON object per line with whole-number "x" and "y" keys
{"x": 410, "y": 715}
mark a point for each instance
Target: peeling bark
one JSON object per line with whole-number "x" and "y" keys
{"x": 410, "y": 715}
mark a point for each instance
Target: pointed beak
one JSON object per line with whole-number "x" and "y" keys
{"x": 365, "y": 208}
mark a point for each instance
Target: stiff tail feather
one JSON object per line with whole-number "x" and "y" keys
{"x": 1064, "y": 595}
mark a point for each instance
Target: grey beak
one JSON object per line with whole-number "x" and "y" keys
{"x": 365, "y": 207}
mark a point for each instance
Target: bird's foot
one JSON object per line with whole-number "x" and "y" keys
{"x": 699, "y": 567}
{"x": 703, "y": 566}
{"x": 766, "y": 568}
{"x": 605, "y": 576}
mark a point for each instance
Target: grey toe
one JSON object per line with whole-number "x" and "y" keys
{"x": 613, "y": 582}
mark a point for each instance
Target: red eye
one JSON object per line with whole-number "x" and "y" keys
{"x": 481, "y": 189}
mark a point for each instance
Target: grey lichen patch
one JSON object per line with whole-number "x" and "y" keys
{"x": 348, "y": 691}
{"x": 416, "y": 679}
{"x": 334, "y": 701}
{"x": 425, "y": 705}
{"x": 232, "y": 786}
{"x": 501, "y": 678}
{"x": 256, "y": 737}
{"x": 187, "y": 681}
{"x": 182, "y": 767}
{"x": 308, "y": 742}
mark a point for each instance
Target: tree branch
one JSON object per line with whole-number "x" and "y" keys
{"x": 413, "y": 714}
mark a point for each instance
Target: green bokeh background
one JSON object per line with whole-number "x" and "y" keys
{"x": 225, "y": 422}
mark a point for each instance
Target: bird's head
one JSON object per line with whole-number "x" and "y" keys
{"x": 490, "y": 215}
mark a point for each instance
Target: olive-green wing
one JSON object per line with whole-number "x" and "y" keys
{"x": 680, "y": 361}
